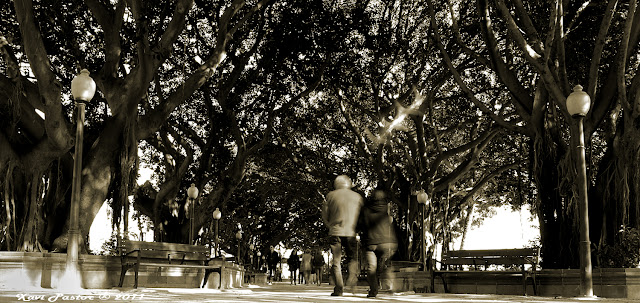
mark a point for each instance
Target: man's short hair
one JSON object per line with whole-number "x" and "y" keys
{"x": 342, "y": 181}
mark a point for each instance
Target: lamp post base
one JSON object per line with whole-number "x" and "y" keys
{"x": 71, "y": 280}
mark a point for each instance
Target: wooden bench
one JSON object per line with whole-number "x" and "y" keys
{"x": 453, "y": 261}
{"x": 162, "y": 254}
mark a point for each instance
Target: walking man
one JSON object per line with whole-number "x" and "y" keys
{"x": 340, "y": 213}
{"x": 379, "y": 237}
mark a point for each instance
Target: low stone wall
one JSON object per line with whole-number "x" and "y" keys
{"x": 20, "y": 270}
{"x": 258, "y": 278}
{"x": 607, "y": 282}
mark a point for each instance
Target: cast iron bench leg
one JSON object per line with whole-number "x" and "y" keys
{"x": 207, "y": 272}
{"x": 123, "y": 272}
{"x": 135, "y": 284}
{"x": 206, "y": 277}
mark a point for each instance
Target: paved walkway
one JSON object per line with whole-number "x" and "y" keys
{"x": 279, "y": 292}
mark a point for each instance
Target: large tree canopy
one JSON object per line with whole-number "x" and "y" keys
{"x": 148, "y": 60}
{"x": 536, "y": 52}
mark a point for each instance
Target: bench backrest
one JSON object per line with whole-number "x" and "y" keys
{"x": 518, "y": 256}
{"x": 164, "y": 250}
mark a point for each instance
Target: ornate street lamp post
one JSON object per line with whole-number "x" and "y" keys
{"x": 423, "y": 198}
{"x": 578, "y": 104}
{"x": 358, "y": 253}
{"x": 216, "y": 216}
{"x": 259, "y": 254}
{"x": 251, "y": 248}
{"x": 192, "y": 193}
{"x": 82, "y": 88}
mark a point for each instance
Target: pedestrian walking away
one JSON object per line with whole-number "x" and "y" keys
{"x": 318, "y": 264}
{"x": 272, "y": 262}
{"x": 305, "y": 266}
{"x": 379, "y": 238}
{"x": 340, "y": 213}
{"x": 294, "y": 265}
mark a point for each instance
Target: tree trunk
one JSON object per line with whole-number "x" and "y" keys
{"x": 97, "y": 175}
{"x": 558, "y": 237}
{"x": 617, "y": 189}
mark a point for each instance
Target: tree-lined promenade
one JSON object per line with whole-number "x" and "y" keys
{"x": 261, "y": 104}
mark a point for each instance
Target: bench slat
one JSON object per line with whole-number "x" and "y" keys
{"x": 163, "y": 246}
{"x": 175, "y": 256}
{"x": 177, "y": 265}
{"x": 487, "y": 261}
{"x": 501, "y": 252}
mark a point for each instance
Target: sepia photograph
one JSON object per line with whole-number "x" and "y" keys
{"x": 319, "y": 150}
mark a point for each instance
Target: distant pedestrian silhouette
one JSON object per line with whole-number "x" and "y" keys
{"x": 318, "y": 264}
{"x": 294, "y": 265}
{"x": 340, "y": 213}
{"x": 306, "y": 266}
{"x": 272, "y": 262}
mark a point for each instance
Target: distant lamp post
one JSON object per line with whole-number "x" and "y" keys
{"x": 358, "y": 253}
{"x": 82, "y": 88}
{"x": 578, "y": 104}
{"x": 423, "y": 198}
{"x": 259, "y": 254}
{"x": 192, "y": 193}
{"x": 239, "y": 237}
{"x": 251, "y": 248}
{"x": 216, "y": 217}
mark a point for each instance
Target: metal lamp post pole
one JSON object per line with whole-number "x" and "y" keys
{"x": 212, "y": 249}
{"x": 258, "y": 254}
{"x": 422, "y": 240}
{"x": 251, "y": 248}
{"x": 422, "y": 199}
{"x": 586, "y": 275}
{"x": 216, "y": 216}
{"x": 358, "y": 253}
{"x": 217, "y": 240}
{"x": 192, "y": 194}
{"x": 74, "y": 216}
{"x": 191, "y": 222}
{"x": 82, "y": 88}
{"x": 578, "y": 104}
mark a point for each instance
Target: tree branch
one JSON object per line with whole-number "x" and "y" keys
{"x": 463, "y": 86}
{"x": 48, "y": 85}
